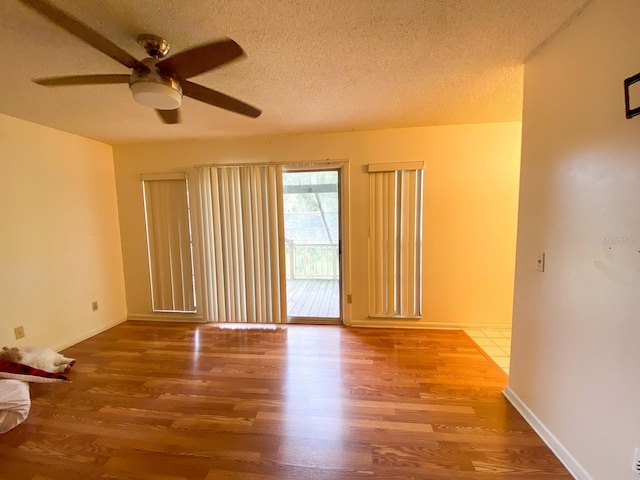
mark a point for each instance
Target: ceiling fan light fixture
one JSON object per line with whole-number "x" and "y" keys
{"x": 155, "y": 81}
{"x": 157, "y": 95}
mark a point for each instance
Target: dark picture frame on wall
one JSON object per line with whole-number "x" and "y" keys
{"x": 632, "y": 95}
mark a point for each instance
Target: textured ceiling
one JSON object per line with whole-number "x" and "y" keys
{"x": 312, "y": 65}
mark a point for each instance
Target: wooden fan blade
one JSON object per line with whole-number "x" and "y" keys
{"x": 201, "y": 59}
{"x": 82, "y": 31}
{"x": 82, "y": 80}
{"x": 217, "y": 99}
{"x": 169, "y": 116}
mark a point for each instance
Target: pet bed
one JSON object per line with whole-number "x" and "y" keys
{"x": 15, "y": 403}
{"x": 26, "y": 373}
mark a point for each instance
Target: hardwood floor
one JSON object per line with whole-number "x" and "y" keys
{"x": 180, "y": 401}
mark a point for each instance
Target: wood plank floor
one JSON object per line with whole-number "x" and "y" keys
{"x": 313, "y": 298}
{"x": 179, "y": 401}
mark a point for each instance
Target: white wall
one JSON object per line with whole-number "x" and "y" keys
{"x": 471, "y": 194}
{"x": 59, "y": 236}
{"x": 576, "y": 329}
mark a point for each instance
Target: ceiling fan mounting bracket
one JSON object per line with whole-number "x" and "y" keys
{"x": 155, "y": 46}
{"x": 150, "y": 73}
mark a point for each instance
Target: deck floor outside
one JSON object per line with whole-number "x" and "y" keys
{"x": 313, "y": 298}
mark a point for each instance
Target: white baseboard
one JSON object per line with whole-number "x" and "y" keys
{"x": 166, "y": 317}
{"x": 571, "y": 464}
{"x": 88, "y": 334}
{"x": 391, "y": 323}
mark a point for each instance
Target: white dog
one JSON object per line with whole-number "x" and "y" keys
{"x": 41, "y": 358}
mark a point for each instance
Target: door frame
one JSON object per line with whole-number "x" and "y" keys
{"x": 342, "y": 167}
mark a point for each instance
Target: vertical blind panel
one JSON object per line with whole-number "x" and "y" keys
{"x": 395, "y": 243}
{"x": 169, "y": 245}
{"x": 207, "y": 254}
{"x": 240, "y": 222}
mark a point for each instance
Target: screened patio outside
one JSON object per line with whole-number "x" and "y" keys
{"x": 311, "y": 214}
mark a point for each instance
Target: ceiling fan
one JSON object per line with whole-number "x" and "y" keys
{"x": 155, "y": 82}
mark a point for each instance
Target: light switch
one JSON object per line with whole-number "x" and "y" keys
{"x": 540, "y": 263}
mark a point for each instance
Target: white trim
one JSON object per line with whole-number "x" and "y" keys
{"x": 166, "y": 317}
{"x": 424, "y": 324}
{"x": 163, "y": 176}
{"x": 568, "y": 460}
{"x": 345, "y": 238}
{"x": 392, "y": 167}
{"x": 91, "y": 333}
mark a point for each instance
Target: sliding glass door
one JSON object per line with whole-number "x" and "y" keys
{"x": 269, "y": 243}
{"x": 311, "y": 205}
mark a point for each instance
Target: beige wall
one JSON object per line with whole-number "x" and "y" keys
{"x": 59, "y": 236}
{"x": 471, "y": 183}
{"x": 575, "y": 356}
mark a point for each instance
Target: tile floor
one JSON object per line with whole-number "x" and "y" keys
{"x": 495, "y": 343}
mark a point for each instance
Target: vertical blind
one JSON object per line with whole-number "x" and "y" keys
{"x": 242, "y": 232}
{"x": 169, "y": 243}
{"x": 395, "y": 240}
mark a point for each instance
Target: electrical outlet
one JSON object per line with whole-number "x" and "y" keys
{"x": 636, "y": 462}
{"x": 540, "y": 262}
{"x": 19, "y": 331}
{"x": 94, "y": 305}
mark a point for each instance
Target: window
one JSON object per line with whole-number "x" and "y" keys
{"x": 166, "y": 208}
{"x": 395, "y": 240}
